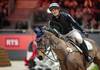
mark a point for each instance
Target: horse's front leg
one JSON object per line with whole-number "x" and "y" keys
{"x": 62, "y": 65}
{"x": 75, "y": 61}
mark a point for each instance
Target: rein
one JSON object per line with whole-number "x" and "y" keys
{"x": 50, "y": 50}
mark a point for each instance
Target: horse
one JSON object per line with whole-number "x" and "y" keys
{"x": 69, "y": 57}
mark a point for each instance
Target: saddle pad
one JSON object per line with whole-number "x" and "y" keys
{"x": 89, "y": 45}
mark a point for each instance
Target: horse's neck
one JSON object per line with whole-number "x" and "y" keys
{"x": 55, "y": 39}
{"x": 59, "y": 43}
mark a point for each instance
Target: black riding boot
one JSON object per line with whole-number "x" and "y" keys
{"x": 84, "y": 48}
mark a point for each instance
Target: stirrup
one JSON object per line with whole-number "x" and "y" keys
{"x": 90, "y": 59}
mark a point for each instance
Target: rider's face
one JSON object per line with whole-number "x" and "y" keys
{"x": 55, "y": 12}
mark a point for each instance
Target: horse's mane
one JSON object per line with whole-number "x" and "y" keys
{"x": 50, "y": 36}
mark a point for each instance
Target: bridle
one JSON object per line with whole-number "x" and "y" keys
{"x": 47, "y": 50}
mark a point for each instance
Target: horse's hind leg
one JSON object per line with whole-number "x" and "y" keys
{"x": 97, "y": 58}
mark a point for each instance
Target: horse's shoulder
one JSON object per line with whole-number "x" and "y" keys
{"x": 70, "y": 45}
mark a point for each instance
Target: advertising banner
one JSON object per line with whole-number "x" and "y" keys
{"x": 16, "y": 41}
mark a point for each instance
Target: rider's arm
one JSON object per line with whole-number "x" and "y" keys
{"x": 73, "y": 22}
{"x": 55, "y": 25}
{"x": 53, "y": 28}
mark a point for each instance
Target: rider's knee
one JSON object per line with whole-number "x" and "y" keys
{"x": 79, "y": 39}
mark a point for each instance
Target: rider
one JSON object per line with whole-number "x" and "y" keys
{"x": 66, "y": 25}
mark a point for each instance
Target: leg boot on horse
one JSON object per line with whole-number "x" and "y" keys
{"x": 84, "y": 48}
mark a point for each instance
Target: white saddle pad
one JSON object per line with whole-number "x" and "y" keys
{"x": 89, "y": 45}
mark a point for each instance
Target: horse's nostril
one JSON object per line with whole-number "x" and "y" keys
{"x": 40, "y": 57}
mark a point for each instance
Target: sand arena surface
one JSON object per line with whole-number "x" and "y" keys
{"x": 15, "y": 65}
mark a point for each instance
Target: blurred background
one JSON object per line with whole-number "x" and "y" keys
{"x": 18, "y": 18}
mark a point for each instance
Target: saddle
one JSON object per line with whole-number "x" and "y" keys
{"x": 72, "y": 41}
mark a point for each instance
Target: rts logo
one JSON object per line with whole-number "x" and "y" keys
{"x": 12, "y": 42}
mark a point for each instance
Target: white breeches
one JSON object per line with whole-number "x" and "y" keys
{"x": 74, "y": 34}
